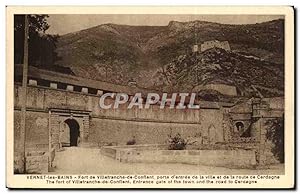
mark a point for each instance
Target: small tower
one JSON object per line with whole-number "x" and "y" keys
{"x": 195, "y": 46}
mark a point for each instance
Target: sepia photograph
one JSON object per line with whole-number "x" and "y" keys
{"x": 153, "y": 96}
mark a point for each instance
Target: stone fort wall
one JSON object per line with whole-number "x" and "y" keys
{"x": 47, "y": 108}
{"x": 215, "y": 44}
{"x": 113, "y": 126}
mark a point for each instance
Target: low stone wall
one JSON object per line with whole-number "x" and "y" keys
{"x": 37, "y": 162}
{"x": 238, "y": 158}
{"x": 112, "y": 151}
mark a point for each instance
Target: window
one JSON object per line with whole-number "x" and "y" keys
{"x": 239, "y": 126}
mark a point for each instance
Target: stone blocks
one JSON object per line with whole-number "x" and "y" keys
{"x": 37, "y": 162}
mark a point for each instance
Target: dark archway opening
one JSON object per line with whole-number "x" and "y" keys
{"x": 74, "y": 131}
{"x": 239, "y": 126}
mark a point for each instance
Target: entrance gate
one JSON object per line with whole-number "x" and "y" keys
{"x": 68, "y": 128}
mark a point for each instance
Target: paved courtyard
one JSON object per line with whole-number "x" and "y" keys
{"x": 77, "y": 160}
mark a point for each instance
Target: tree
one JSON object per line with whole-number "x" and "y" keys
{"x": 41, "y": 45}
{"x": 275, "y": 133}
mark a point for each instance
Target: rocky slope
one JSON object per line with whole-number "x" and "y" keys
{"x": 147, "y": 54}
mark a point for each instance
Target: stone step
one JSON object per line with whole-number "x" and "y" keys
{"x": 85, "y": 145}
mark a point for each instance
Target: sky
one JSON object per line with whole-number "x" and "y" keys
{"x": 63, "y": 24}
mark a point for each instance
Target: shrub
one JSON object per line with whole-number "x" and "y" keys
{"x": 132, "y": 141}
{"x": 177, "y": 142}
{"x": 275, "y": 133}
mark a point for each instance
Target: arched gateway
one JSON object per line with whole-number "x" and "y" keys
{"x": 68, "y": 128}
{"x": 70, "y": 133}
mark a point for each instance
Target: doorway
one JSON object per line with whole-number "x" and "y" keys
{"x": 74, "y": 131}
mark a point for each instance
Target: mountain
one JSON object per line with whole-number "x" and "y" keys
{"x": 120, "y": 53}
{"x": 218, "y": 66}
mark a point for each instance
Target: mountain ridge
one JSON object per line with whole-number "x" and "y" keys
{"x": 119, "y": 53}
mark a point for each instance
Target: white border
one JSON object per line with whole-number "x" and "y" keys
{"x": 290, "y": 54}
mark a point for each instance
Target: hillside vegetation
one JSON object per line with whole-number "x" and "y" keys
{"x": 161, "y": 57}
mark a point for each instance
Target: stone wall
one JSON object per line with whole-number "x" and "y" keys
{"x": 37, "y": 162}
{"x": 154, "y": 125}
{"x": 37, "y": 134}
{"x": 120, "y": 125}
{"x": 215, "y": 43}
{"x": 36, "y": 129}
{"x": 117, "y": 126}
{"x": 118, "y": 132}
{"x": 237, "y": 158}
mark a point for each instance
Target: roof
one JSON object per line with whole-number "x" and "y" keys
{"x": 52, "y": 76}
{"x": 37, "y": 73}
